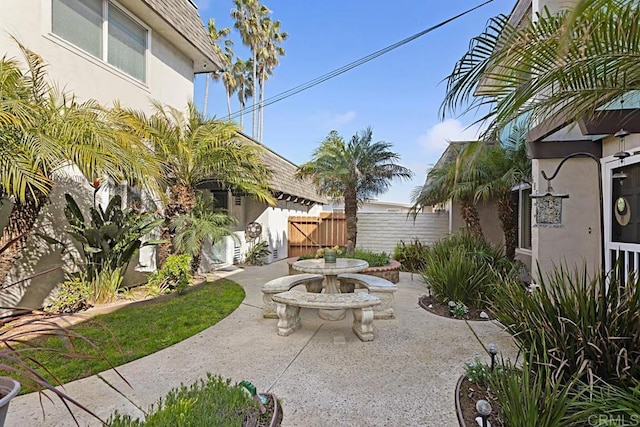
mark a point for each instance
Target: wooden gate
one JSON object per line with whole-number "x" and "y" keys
{"x": 309, "y": 233}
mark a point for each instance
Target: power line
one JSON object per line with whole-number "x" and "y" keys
{"x": 311, "y": 83}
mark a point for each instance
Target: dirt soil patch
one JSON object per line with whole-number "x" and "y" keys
{"x": 470, "y": 393}
{"x": 432, "y": 305}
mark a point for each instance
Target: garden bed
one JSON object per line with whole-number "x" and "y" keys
{"x": 432, "y": 305}
{"x": 390, "y": 272}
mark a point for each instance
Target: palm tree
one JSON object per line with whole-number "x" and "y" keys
{"x": 226, "y": 58}
{"x": 43, "y": 131}
{"x": 565, "y": 65}
{"x": 193, "y": 151}
{"x": 242, "y": 76}
{"x": 191, "y": 230}
{"x": 268, "y": 58}
{"x": 451, "y": 181}
{"x": 354, "y": 171}
{"x": 248, "y": 15}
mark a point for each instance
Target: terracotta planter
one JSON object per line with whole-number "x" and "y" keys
{"x": 8, "y": 389}
{"x": 390, "y": 272}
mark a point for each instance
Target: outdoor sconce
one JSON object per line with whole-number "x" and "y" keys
{"x": 484, "y": 409}
{"x": 493, "y": 352}
{"x": 549, "y": 206}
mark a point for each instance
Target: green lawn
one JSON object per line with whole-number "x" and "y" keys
{"x": 143, "y": 328}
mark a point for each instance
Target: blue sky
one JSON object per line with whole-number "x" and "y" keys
{"x": 397, "y": 94}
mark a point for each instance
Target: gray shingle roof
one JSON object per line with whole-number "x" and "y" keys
{"x": 283, "y": 178}
{"x": 183, "y": 16}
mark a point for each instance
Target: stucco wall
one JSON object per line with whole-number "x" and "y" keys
{"x": 169, "y": 80}
{"x": 578, "y": 240}
{"x": 274, "y": 221}
{"x": 488, "y": 212}
{"x": 169, "y": 72}
{"x": 382, "y": 231}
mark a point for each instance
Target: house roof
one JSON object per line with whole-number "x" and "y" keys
{"x": 284, "y": 182}
{"x": 179, "y": 16}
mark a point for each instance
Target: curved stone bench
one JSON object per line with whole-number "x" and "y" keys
{"x": 289, "y": 304}
{"x": 313, "y": 283}
{"x": 377, "y": 286}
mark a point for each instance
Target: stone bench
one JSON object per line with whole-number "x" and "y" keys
{"x": 289, "y": 304}
{"x": 377, "y": 286}
{"x": 313, "y": 283}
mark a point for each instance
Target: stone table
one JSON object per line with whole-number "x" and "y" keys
{"x": 330, "y": 271}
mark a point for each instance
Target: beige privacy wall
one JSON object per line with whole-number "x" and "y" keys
{"x": 381, "y": 231}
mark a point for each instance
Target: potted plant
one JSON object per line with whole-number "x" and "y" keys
{"x": 8, "y": 389}
{"x": 329, "y": 254}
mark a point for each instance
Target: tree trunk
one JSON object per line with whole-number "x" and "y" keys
{"x": 255, "y": 98}
{"x": 242, "y": 117}
{"x": 183, "y": 198}
{"x": 261, "y": 107}
{"x": 206, "y": 95}
{"x": 351, "y": 216}
{"x": 470, "y": 216}
{"x": 14, "y": 235}
{"x": 508, "y": 215}
{"x": 229, "y": 105}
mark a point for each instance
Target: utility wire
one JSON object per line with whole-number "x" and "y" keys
{"x": 311, "y": 83}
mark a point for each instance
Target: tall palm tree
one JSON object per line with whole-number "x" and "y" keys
{"x": 569, "y": 63}
{"x": 268, "y": 58}
{"x": 244, "y": 86}
{"x": 354, "y": 171}
{"x": 452, "y": 180}
{"x": 44, "y": 131}
{"x": 194, "y": 150}
{"x": 226, "y": 58}
{"x": 248, "y": 15}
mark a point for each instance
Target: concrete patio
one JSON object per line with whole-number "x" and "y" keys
{"x": 324, "y": 375}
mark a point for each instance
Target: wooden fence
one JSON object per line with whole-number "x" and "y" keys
{"x": 309, "y": 233}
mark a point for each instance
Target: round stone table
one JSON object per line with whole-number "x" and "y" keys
{"x": 330, "y": 270}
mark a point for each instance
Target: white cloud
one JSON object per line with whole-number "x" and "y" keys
{"x": 344, "y": 118}
{"x": 333, "y": 120}
{"x": 437, "y": 138}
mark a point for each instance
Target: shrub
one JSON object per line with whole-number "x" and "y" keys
{"x": 175, "y": 274}
{"x": 465, "y": 269}
{"x": 374, "y": 259}
{"x": 211, "y": 402}
{"x": 72, "y": 297}
{"x": 606, "y": 405}
{"x": 477, "y": 372}
{"x": 532, "y": 396}
{"x": 588, "y": 326}
{"x": 257, "y": 252}
{"x": 412, "y": 256}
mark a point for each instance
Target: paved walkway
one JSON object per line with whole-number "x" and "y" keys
{"x": 323, "y": 373}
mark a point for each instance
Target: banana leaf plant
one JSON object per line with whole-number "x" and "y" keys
{"x": 109, "y": 237}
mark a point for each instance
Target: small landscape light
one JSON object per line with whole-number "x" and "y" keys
{"x": 493, "y": 352}
{"x": 484, "y": 409}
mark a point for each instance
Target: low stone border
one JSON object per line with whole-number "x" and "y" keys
{"x": 390, "y": 272}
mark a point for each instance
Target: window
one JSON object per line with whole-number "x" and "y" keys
{"x": 105, "y": 31}
{"x": 524, "y": 220}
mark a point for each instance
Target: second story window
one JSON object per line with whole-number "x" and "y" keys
{"x": 105, "y": 31}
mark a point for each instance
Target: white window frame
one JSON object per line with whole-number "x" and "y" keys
{"x": 105, "y": 36}
{"x": 520, "y": 189}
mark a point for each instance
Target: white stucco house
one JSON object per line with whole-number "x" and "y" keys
{"x": 132, "y": 52}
